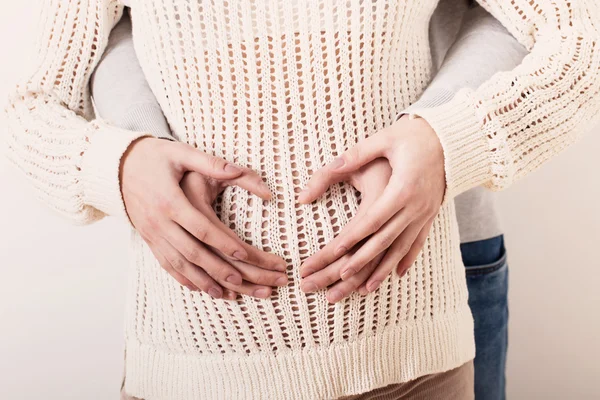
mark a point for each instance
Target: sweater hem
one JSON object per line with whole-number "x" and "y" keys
{"x": 398, "y": 354}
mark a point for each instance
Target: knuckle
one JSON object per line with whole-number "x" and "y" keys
{"x": 192, "y": 253}
{"x": 178, "y": 265}
{"x": 408, "y": 189}
{"x": 373, "y": 264}
{"x": 403, "y": 249}
{"x": 214, "y": 163}
{"x": 386, "y": 239}
{"x": 262, "y": 278}
{"x": 151, "y": 225}
{"x": 164, "y": 203}
{"x": 220, "y": 273}
{"x": 421, "y": 206}
{"x": 228, "y": 246}
{"x": 200, "y": 233}
{"x": 432, "y": 209}
{"x": 374, "y": 224}
{"x": 389, "y": 138}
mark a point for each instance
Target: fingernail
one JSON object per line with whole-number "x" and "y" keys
{"x": 338, "y": 163}
{"x": 304, "y": 272}
{"x": 214, "y": 292}
{"x": 308, "y": 287}
{"x": 348, "y": 273}
{"x": 340, "y": 251}
{"x": 267, "y": 193}
{"x": 234, "y": 279}
{"x": 334, "y": 296}
{"x": 282, "y": 265}
{"x": 240, "y": 254}
{"x": 303, "y": 193}
{"x": 262, "y": 293}
{"x": 373, "y": 285}
{"x": 281, "y": 281}
{"x": 230, "y": 295}
{"x": 232, "y": 168}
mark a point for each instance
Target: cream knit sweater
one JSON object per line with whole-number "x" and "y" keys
{"x": 283, "y": 87}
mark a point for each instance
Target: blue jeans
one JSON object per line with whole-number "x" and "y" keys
{"x": 487, "y": 280}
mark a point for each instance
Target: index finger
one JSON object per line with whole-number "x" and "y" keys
{"x": 351, "y": 160}
{"x": 252, "y": 182}
{"x": 382, "y": 210}
{"x": 256, "y": 257}
{"x": 199, "y": 226}
{"x": 361, "y": 226}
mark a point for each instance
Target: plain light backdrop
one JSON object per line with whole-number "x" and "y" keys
{"x": 62, "y": 287}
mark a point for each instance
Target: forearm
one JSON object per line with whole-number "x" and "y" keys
{"x": 516, "y": 120}
{"x": 71, "y": 159}
{"x": 120, "y": 90}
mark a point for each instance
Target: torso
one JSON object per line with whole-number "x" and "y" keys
{"x": 282, "y": 92}
{"x": 283, "y": 88}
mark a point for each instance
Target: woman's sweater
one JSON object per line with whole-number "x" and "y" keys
{"x": 284, "y": 87}
{"x": 477, "y": 45}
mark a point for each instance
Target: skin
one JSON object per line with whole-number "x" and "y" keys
{"x": 400, "y": 173}
{"x": 168, "y": 189}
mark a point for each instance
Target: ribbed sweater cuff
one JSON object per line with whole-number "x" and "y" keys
{"x": 146, "y": 117}
{"x": 466, "y": 153}
{"x": 100, "y": 166}
{"x": 429, "y": 99}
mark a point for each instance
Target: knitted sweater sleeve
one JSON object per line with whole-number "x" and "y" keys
{"x": 71, "y": 159}
{"x": 516, "y": 120}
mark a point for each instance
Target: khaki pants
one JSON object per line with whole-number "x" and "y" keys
{"x": 456, "y": 384}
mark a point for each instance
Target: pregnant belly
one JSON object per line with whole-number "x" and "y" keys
{"x": 283, "y": 226}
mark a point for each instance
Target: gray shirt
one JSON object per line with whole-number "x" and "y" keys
{"x": 468, "y": 46}
{"x": 467, "y": 57}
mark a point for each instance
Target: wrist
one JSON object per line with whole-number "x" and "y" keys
{"x": 423, "y": 151}
{"x": 134, "y": 145}
{"x": 100, "y": 167}
{"x": 463, "y": 139}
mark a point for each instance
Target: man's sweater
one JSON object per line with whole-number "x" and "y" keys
{"x": 468, "y": 46}
{"x": 283, "y": 87}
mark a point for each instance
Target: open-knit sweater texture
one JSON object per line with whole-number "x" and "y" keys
{"x": 283, "y": 87}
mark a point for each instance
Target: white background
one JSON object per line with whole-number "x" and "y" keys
{"x": 62, "y": 287}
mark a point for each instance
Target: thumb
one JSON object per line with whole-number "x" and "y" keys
{"x": 342, "y": 167}
{"x": 360, "y": 154}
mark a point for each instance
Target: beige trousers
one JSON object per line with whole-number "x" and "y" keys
{"x": 456, "y": 384}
